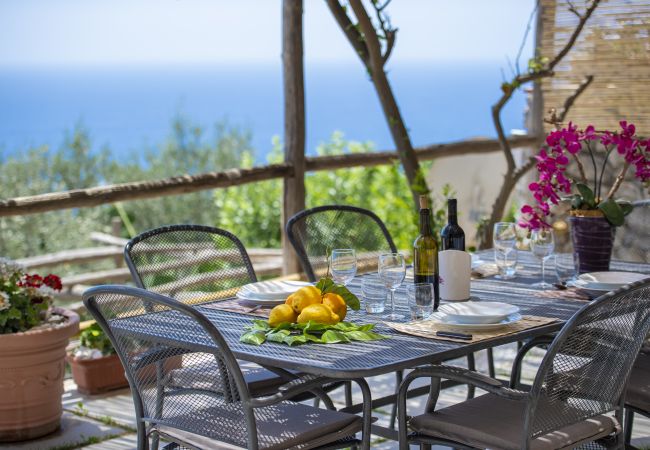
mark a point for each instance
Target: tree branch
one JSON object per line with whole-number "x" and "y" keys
{"x": 581, "y": 24}
{"x": 568, "y": 103}
{"x": 354, "y": 37}
{"x": 513, "y": 174}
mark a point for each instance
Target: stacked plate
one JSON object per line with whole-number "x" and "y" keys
{"x": 477, "y": 315}
{"x": 269, "y": 292}
{"x": 599, "y": 283}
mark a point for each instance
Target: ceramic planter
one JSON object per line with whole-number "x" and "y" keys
{"x": 593, "y": 240}
{"x": 95, "y": 376}
{"x": 32, "y": 365}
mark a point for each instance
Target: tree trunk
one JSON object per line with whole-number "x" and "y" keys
{"x": 294, "y": 122}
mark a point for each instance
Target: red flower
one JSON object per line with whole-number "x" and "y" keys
{"x": 53, "y": 282}
{"x": 28, "y": 280}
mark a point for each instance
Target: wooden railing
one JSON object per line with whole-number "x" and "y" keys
{"x": 266, "y": 261}
{"x": 185, "y": 184}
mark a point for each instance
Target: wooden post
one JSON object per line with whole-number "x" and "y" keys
{"x": 294, "y": 122}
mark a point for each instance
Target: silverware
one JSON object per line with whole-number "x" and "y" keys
{"x": 453, "y": 335}
{"x": 254, "y": 308}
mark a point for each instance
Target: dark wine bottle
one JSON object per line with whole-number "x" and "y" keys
{"x": 425, "y": 252}
{"x": 452, "y": 235}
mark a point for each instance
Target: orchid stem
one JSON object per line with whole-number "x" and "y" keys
{"x": 602, "y": 172}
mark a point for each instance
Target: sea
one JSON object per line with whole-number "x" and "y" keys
{"x": 129, "y": 109}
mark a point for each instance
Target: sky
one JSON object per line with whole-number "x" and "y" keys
{"x": 68, "y": 33}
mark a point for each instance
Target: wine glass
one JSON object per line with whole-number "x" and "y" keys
{"x": 504, "y": 237}
{"x": 343, "y": 265}
{"x": 542, "y": 244}
{"x": 392, "y": 270}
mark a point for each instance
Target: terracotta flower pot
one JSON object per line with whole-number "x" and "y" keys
{"x": 593, "y": 240}
{"x": 94, "y": 376}
{"x": 32, "y": 365}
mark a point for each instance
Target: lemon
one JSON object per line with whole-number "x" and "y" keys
{"x": 336, "y": 304}
{"x": 303, "y": 297}
{"x": 281, "y": 313}
{"x": 289, "y": 300}
{"x": 318, "y": 313}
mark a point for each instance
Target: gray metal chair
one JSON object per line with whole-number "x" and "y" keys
{"x": 197, "y": 264}
{"x": 316, "y": 231}
{"x": 581, "y": 378}
{"x": 207, "y": 418}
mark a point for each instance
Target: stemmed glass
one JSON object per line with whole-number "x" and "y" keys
{"x": 343, "y": 265}
{"x": 542, "y": 244}
{"x": 504, "y": 237}
{"x": 392, "y": 270}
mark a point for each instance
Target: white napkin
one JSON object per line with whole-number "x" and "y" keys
{"x": 455, "y": 273}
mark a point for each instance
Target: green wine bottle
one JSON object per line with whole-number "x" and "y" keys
{"x": 425, "y": 252}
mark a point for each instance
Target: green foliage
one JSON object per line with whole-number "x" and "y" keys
{"x": 319, "y": 333}
{"x": 255, "y": 209}
{"x": 537, "y": 64}
{"x": 252, "y": 211}
{"x": 94, "y": 337}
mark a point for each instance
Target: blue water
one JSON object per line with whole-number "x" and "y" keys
{"x": 128, "y": 109}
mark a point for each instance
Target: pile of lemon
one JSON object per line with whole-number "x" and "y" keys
{"x": 308, "y": 303}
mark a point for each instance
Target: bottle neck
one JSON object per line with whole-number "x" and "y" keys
{"x": 425, "y": 222}
{"x": 452, "y": 214}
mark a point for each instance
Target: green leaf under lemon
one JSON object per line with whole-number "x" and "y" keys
{"x": 319, "y": 333}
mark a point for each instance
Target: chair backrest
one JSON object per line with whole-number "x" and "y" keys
{"x": 585, "y": 370}
{"x": 128, "y": 315}
{"x": 315, "y": 232}
{"x": 191, "y": 263}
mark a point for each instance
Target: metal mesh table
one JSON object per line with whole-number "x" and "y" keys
{"x": 364, "y": 359}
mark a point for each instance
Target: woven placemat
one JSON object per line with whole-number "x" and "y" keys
{"x": 564, "y": 294}
{"x": 234, "y": 305}
{"x": 428, "y": 329}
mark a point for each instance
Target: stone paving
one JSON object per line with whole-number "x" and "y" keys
{"x": 107, "y": 422}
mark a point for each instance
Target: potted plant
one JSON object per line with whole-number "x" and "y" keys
{"x": 96, "y": 368}
{"x": 595, "y": 211}
{"x": 33, "y": 340}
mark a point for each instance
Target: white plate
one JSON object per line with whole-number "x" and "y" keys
{"x": 608, "y": 281}
{"x": 256, "y": 301}
{"x": 478, "y": 312}
{"x": 442, "y": 319}
{"x": 270, "y": 290}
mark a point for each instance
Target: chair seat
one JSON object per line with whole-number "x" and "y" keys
{"x": 260, "y": 381}
{"x": 638, "y": 389}
{"x": 490, "y": 421}
{"x": 282, "y": 426}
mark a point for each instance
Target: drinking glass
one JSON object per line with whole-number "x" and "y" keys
{"x": 343, "y": 265}
{"x": 566, "y": 267}
{"x": 420, "y": 297}
{"x": 392, "y": 271}
{"x": 542, "y": 243}
{"x": 506, "y": 261}
{"x": 504, "y": 237}
{"x": 374, "y": 294}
